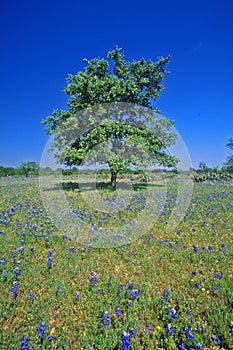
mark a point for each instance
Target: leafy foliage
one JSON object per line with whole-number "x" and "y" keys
{"x": 127, "y": 83}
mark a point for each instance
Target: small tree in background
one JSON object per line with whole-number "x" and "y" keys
{"x": 228, "y": 165}
{"x": 29, "y": 167}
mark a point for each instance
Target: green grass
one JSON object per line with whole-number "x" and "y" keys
{"x": 156, "y": 261}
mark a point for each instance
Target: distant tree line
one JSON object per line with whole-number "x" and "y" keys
{"x": 201, "y": 174}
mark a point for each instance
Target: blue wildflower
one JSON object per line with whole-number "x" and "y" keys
{"x": 31, "y": 296}
{"x": 105, "y": 319}
{"x": 189, "y": 336}
{"x": 195, "y": 249}
{"x": 16, "y": 272}
{"x": 13, "y": 254}
{"x": 71, "y": 250}
{"x": 125, "y": 339}
{"x": 129, "y": 303}
{"x": 118, "y": 312}
{"x": 182, "y": 347}
{"x": 41, "y": 330}
{"x": 99, "y": 291}
{"x": 231, "y": 329}
{"x": 2, "y": 260}
{"x": 198, "y": 346}
{"x": 50, "y": 253}
{"x": 93, "y": 278}
{"x": 132, "y": 332}
{"x": 50, "y": 338}
{"x": 218, "y": 275}
{"x": 24, "y": 343}
{"x": 4, "y": 272}
{"x": 169, "y": 329}
{"x": 49, "y": 261}
{"x": 77, "y": 295}
{"x": 130, "y": 286}
{"x": 165, "y": 295}
{"x": 134, "y": 293}
{"x": 216, "y": 339}
{"x": 14, "y": 288}
{"x": 196, "y": 285}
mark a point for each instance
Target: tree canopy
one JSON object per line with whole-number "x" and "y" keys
{"x": 81, "y": 129}
{"x": 229, "y": 161}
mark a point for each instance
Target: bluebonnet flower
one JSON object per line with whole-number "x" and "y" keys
{"x": 134, "y": 293}
{"x": 182, "y": 347}
{"x": 50, "y": 337}
{"x": 99, "y": 291}
{"x": 118, "y": 312}
{"x": 189, "y": 312}
{"x": 132, "y": 332}
{"x": 195, "y": 249}
{"x": 194, "y": 273}
{"x": 16, "y": 272}
{"x": 172, "y": 312}
{"x": 93, "y": 278}
{"x": 14, "y": 288}
{"x": 121, "y": 287}
{"x": 18, "y": 263}
{"x": 185, "y": 329}
{"x": 2, "y": 260}
{"x": 31, "y": 296}
{"x": 165, "y": 294}
{"x": 218, "y": 275}
{"x": 4, "y": 272}
{"x": 130, "y": 286}
{"x": 125, "y": 341}
{"x": 32, "y": 249}
{"x": 13, "y": 254}
{"x": 71, "y": 250}
{"x": 198, "y": 346}
{"x": 41, "y": 330}
{"x": 216, "y": 339}
{"x": 24, "y": 343}
{"x": 49, "y": 261}
{"x": 129, "y": 303}
{"x": 50, "y": 253}
{"x": 21, "y": 249}
{"x": 196, "y": 285}
{"x": 231, "y": 329}
{"x": 22, "y": 242}
{"x": 105, "y": 319}
{"x": 169, "y": 329}
{"x": 77, "y": 295}
{"x": 58, "y": 288}
{"x": 189, "y": 336}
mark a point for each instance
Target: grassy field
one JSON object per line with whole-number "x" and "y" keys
{"x": 165, "y": 290}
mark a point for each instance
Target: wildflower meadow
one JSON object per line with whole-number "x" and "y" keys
{"x": 164, "y": 290}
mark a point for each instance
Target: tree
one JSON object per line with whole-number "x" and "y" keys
{"x": 136, "y": 83}
{"x": 29, "y": 167}
{"x": 228, "y": 165}
{"x": 203, "y": 167}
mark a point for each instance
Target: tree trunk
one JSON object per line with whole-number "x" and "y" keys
{"x": 113, "y": 179}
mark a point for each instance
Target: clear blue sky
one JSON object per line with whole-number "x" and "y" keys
{"x": 43, "y": 41}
